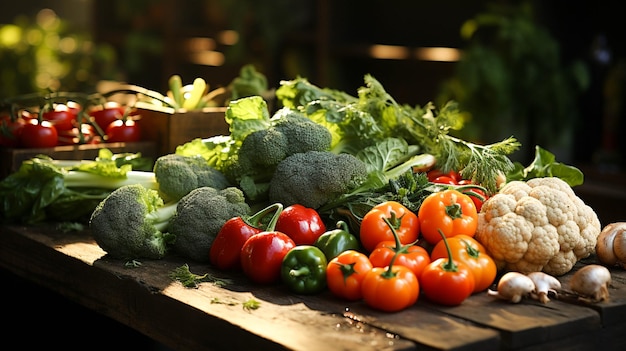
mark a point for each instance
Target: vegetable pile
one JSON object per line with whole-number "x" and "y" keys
{"x": 370, "y": 199}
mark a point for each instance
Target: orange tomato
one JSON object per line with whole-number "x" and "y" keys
{"x": 473, "y": 254}
{"x": 448, "y": 211}
{"x": 374, "y": 229}
{"x": 447, "y": 282}
{"x": 390, "y": 289}
{"x": 345, "y": 273}
{"x": 414, "y": 257}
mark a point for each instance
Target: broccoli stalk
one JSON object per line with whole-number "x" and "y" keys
{"x": 131, "y": 223}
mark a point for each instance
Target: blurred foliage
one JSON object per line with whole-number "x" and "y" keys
{"x": 263, "y": 25}
{"x": 511, "y": 80}
{"x": 44, "y": 54}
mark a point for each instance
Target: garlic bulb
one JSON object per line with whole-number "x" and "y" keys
{"x": 544, "y": 285}
{"x": 591, "y": 283}
{"x": 513, "y": 286}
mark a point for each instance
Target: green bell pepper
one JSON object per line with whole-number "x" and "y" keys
{"x": 303, "y": 269}
{"x": 336, "y": 241}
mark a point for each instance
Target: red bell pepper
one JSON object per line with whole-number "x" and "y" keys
{"x": 225, "y": 252}
{"x": 302, "y": 224}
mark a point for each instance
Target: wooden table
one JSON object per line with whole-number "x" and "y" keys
{"x": 211, "y": 317}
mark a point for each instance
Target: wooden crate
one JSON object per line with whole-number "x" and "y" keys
{"x": 169, "y": 128}
{"x": 11, "y": 159}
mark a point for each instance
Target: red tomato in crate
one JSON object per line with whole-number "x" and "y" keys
{"x": 38, "y": 135}
{"x": 123, "y": 131}
{"x": 10, "y": 131}
{"x": 107, "y": 114}
{"x": 61, "y": 116}
{"x": 72, "y": 137}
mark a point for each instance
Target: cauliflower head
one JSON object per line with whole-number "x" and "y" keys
{"x": 537, "y": 225}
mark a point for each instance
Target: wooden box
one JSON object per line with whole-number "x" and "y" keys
{"x": 169, "y": 128}
{"x": 11, "y": 159}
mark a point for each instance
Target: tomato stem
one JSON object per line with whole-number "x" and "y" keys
{"x": 471, "y": 251}
{"x": 347, "y": 269}
{"x": 388, "y": 273}
{"x": 454, "y": 210}
{"x": 449, "y": 265}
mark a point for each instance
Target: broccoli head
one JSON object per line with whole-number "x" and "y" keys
{"x": 265, "y": 147}
{"x": 130, "y": 223}
{"x": 177, "y": 175}
{"x": 291, "y": 132}
{"x": 301, "y": 132}
{"x": 199, "y": 217}
{"x": 315, "y": 177}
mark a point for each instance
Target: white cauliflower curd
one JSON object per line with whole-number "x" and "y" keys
{"x": 537, "y": 225}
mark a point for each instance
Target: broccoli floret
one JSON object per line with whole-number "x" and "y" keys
{"x": 199, "y": 217}
{"x": 313, "y": 178}
{"x": 302, "y": 133}
{"x": 265, "y": 147}
{"x": 130, "y": 223}
{"x": 177, "y": 175}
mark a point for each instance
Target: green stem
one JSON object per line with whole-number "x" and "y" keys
{"x": 256, "y": 219}
{"x": 449, "y": 265}
{"x": 272, "y": 223}
{"x": 302, "y": 271}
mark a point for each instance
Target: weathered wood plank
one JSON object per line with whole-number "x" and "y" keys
{"x": 212, "y": 317}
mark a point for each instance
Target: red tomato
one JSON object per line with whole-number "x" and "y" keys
{"x": 123, "y": 131}
{"x": 107, "y": 114}
{"x": 10, "y": 131}
{"x": 390, "y": 289}
{"x": 61, "y": 116}
{"x": 72, "y": 137}
{"x": 437, "y": 176}
{"x": 262, "y": 256}
{"x": 477, "y": 195}
{"x": 448, "y": 211}
{"x": 304, "y": 225}
{"x": 473, "y": 254}
{"x": 38, "y": 135}
{"x": 225, "y": 252}
{"x": 414, "y": 257}
{"x": 374, "y": 229}
{"x": 447, "y": 282}
{"x": 345, "y": 273}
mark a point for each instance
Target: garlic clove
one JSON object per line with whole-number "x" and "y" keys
{"x": 605, "y": 243}
{"x": 591, "y": 283}
{"x": 513, "y": 287}
{"x": 619, "y": 246}
{"x": 545, "y": 284}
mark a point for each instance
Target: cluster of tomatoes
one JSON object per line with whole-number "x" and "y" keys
{"x": 431, "y": 252}
{"x": 67, "y": 124}
{"x": 466, "y": 186}
{"x": 397, "y": 255}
